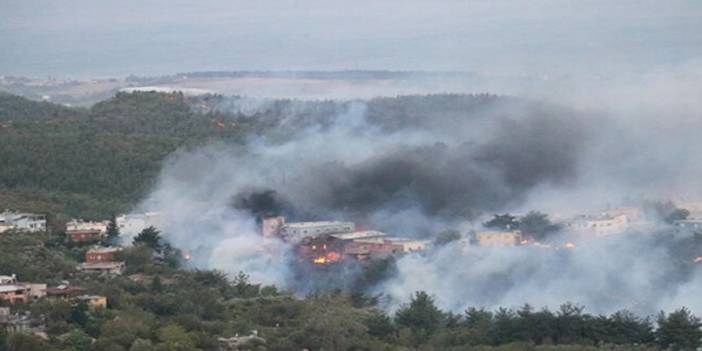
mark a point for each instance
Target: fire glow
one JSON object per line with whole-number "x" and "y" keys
{"x": 697, "y": 259}
{"x": 329, "y": 257}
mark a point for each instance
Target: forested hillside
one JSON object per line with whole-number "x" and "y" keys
{"x": 90, "y": 163}
{"x": 157, "y": 306}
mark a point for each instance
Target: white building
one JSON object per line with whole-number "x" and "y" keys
{"x": 411, "y": 245}
{"x": 599, "y": 226}
{"x": 80, "y": 225}
{"x": 365, "y": 234}
{"x": 8, "y": 279}
{"x": 22, "y": 221}
{"x": 132, "y": 224}
{"x": 108, "y": 268}
{"x": 303, "y": 229}
{"x": 498, "y": 238}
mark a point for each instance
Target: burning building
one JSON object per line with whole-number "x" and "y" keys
{"x": 327, "y": 242}
{"x": 359, "y": 245}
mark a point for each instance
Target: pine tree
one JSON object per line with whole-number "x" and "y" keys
{"x": 113, "y": 231}
{"x": 149, "y": 237}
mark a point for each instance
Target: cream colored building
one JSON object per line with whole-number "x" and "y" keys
{"x": 303, "y": 229}
{"x": 599, "y": 226}
{"x": 498, "y": 238}
{"x": 79, "y": 225}
{"x": 410, "y": 245}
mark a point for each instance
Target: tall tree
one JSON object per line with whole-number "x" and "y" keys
{"x": 679, "y": 331}
{"x": 113, "y": 231}
{"x": 421, "y": 316}
{"x": 503, "y": 222}
{"x": 537, "y": 225}
{"x": 149, "y": 237}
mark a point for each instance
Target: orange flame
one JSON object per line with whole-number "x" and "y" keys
{"x": 330, "y": 257}
{"x": 698, "y": 259}
{"x": 187, "y": 256}
{"x": 569, "y": 245}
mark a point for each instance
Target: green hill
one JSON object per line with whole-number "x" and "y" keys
{"x": 91, "y": 162}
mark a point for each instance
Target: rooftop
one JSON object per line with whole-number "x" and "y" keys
{"x": 100, "y": 250}
{"x": 13, "y": 216}
{"x": 359, "y": 235}
{"x": 407, "y": 240}
{"x": 297, "y": 225}
{"x": 12, "y": 287}
{"x": 86, "y": 231}
{"x": 101, "y": 265}
{"x": 498, "y": 232}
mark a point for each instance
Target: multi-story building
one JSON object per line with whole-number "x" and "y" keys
{"x": 358, "y": 245}
{"x": 411, "y": 245}
{"x": 22, "y": 221}
{"x": 107, "y": 268}
{"x": 498, "y": 238}
{"x": 132, "y": 224}
{"x": 13, "y": 291}
{"x": 299, "y": 230}
{"x": 82, "y": 231}
{"x": 600, "y": 225}
{"x": 101, "y": 254}
{"x": 80, "y": 225}
{"x": 64, "y": 291}
{"x": 78, "y": 236}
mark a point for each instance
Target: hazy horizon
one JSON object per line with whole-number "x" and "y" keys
{"x": 85, "y": 39}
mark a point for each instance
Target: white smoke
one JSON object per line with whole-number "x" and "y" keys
{"x": 627, "y": 271}
{"x": 585, "y": 161}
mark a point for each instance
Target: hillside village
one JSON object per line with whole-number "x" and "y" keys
{"x": 316, "y": 243}
{"x": 75, "y": 275}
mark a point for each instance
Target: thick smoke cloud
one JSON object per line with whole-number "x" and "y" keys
{"x": 427, "y": 169}
{"x": 637, "y": 271}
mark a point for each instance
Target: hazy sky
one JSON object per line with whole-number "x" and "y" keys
{"x": 82, "y": 38}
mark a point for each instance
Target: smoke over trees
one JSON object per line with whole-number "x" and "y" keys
{"x": 441, "y": 163}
